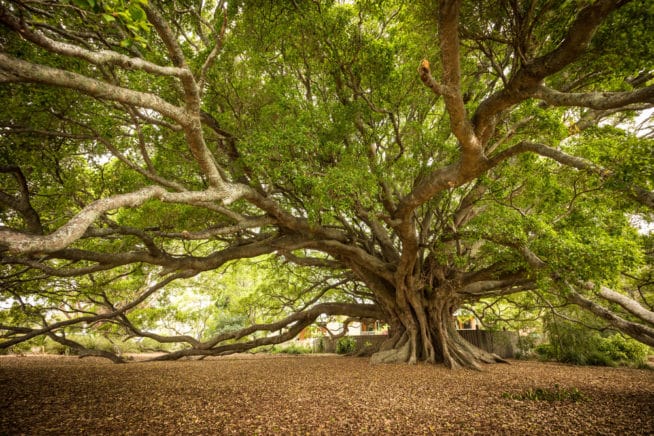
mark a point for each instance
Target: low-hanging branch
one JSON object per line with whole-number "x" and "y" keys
{"x": 49, "y": 328}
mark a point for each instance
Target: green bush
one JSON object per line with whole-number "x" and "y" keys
{"x": 597, "y": 358}
{"x": 21, "y": 348}
{"x": 291, "y": 349}
{"x": 571, "y": 342}
{"x": 576, "y": 344}
{"x": 97, "y": 342}
{"x": 527, "y": 346}
{"x": 147, "y": 345}
{"x": 52, "y": 347}
{"x": 621, "y": 349}
{"x": 545, "y": 351}
{"x": 346, "y": 345}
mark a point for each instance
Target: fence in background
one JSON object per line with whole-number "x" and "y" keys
{"x": 502, "y": 343}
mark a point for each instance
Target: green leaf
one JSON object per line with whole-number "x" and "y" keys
{"x": 137, "y": 14}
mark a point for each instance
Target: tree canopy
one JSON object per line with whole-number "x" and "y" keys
{"x": 374, "y": 159}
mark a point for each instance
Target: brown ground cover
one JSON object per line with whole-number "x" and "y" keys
{"x": 314, "y": 395}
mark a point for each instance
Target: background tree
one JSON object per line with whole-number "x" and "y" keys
{"x": 145, "y": 143}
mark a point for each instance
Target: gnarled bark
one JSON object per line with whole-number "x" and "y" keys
{"x": 431, "y": 336}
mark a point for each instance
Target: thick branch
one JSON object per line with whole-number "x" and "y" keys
{"x": 306, "y": 317}
{"x": 636, "y": 192}
{"x": 497, "y": 287}
{"x": 75, "y": 228}
{"x": 55, "y": 77}
{"x": 312, "y": 261}
{"x": 211, "y": 58}
{"x": 189, "y": 119}
{"x": 529, "y": 77}
{"x": 92, "y": 318}
{"x": 159, "y": 338}
{"x": 439, "y": 180}
{"x": 193, "y": 128}
{"x": 637, "y": 331}
{"x": 631, "y": 306}
{"x": 595, "y": 100}
{"x": 640, "y": 332}
{"x": 448, "y": 35}
{"x": 83, "y": 351}
{"x": 61, "y": 272}
{"x": 22, "y": 205}
{"x": 100, "y": 57}
{"x": 358, "y": 256}
{"x": 576, "y": 41}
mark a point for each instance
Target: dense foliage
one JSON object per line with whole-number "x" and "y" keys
{"x": 571, "y": 342}
{"x": 221, "y": 175}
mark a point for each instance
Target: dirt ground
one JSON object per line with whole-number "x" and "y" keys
{"x": 314, "y": 395}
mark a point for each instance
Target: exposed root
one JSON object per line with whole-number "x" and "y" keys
{"x": 395, "y": 355}
{"x": 452, "y": 350}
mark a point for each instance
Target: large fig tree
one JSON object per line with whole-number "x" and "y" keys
{"x": 398, "y": 159}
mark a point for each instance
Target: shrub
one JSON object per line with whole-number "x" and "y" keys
{"x": 597, "y": 358}
{"x": 52, "y": 347}
{"x": 147, "y": 345}
{"x": 571, "y": 342}
{"x": 526, "y": 346}
{"x": 545, "y": 351}
{"x": 96, "y": 342}
{"x": 575, "y": 344}
{"x": 291, "y": 349}
{"x": 21, "y": 348}
{"x": 621, "y": 349}
{"x": 346, "y": 345}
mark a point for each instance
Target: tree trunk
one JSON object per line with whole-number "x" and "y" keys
{"x": 430, "y": 336}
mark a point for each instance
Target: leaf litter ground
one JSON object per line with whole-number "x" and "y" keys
{"x": 314, "y": 395}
